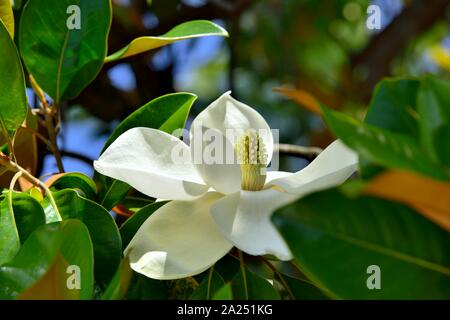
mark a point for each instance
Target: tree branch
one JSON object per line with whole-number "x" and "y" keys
{"x": 297, "y": 151}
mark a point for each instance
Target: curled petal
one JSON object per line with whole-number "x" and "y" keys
{"x": 244, "y": 219}
{"x": 154, "y": 163}
{"x": 223, "y": 122}
{"x": 179, "y": 240}
{"x": 331, "y": 168}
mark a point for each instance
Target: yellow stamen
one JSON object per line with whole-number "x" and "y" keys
{"x": 252, "y": 157}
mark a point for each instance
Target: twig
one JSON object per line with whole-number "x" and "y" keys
{"x": 297, "y": 151}
{"x": 49, "y": 113}
{"x": 14, "y": 167}
{"x": 77, "y": 156}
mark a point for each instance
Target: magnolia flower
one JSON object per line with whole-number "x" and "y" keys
{"x": 215, "y": 206}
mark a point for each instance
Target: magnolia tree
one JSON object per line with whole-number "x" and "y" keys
{"x": 212, "y": 216}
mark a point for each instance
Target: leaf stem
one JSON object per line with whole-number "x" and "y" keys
{"x": 14, "y": 167}
{"x": 244, "y": 275}
{"x": 280, "y": 276}
{"x": 49, "y": 113}
{"x": 208, "y": 289}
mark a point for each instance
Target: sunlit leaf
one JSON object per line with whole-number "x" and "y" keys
{"x": 73, "y": 180}
{"x": 7, "y": 16}
{"x": 20, "y": 215}
{"x": 187, "y": 30}
{"x": 13, "y": 101}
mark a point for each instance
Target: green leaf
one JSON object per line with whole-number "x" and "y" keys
{"x": 64, "y": 60}
{"x": 335, "y": 239}
{"x": 133, "y": 223}
{"x": 187, "y": 30}
{"x": 9, "y": 236}
{"x": 7, "y": 16}
{"x": 248, "y": 286}
{"x": 210, "y": 285}
{"x": 434, "y": 108}
{"x": 78, "y": 181}
{"x": 13, "y": 100}
{"x": 392, "y": 107}
{"x": 143, "y": 288}
{"x": 224, "y": 293}
{"x": 102, "y": 229}
{"x": 20, "y": 215}
{"x": 136, "y": 203}
{"x": 302, "y": 290}
{"x": 167, "y": 113}
{"x": 382, "y": 147}
{"x": 28, "y": 214}
{"x": 66, "y": 241}
{"x": 119, "y": 284}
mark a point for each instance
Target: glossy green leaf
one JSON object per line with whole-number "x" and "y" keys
{"x": 224, "y": 293}
{"x": 167, "y": 113}
{"x": 13, "y": 100}
{"x": 133, "y": 223}
{"x": 69, "y": 240}
{"x": 392, "y": 107}
{"x": 187, "y": 30}
{"x": 20, "y": 215}
{"x": 382, "y": 147}
{"x": 118, "y": 286}
{"x": 209, "y": 286}
{"x": 335, "y": 240}
{"x": 7, "y": 16}
{"x": 9, "y": 236}
{"x": 64, "y": 56}
{"x": 28, "y": 214}
{"x": 78, "y": 181}
{"x": 102, "y": 229}
{"x": 248, "y": 286}
{"x": 301, "y": 290}
{"x": 434, "y": 109}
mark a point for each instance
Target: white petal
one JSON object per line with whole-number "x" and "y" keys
{"x": 229, "y": 118}
{"x": 272, "y": 175}
{"x": 331, "y": 168}
{"x": 244, "y": 219}
{"x": 212, "y": 163}
{"x": 179, "y": 240}
{"x": 154, "y": 163}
